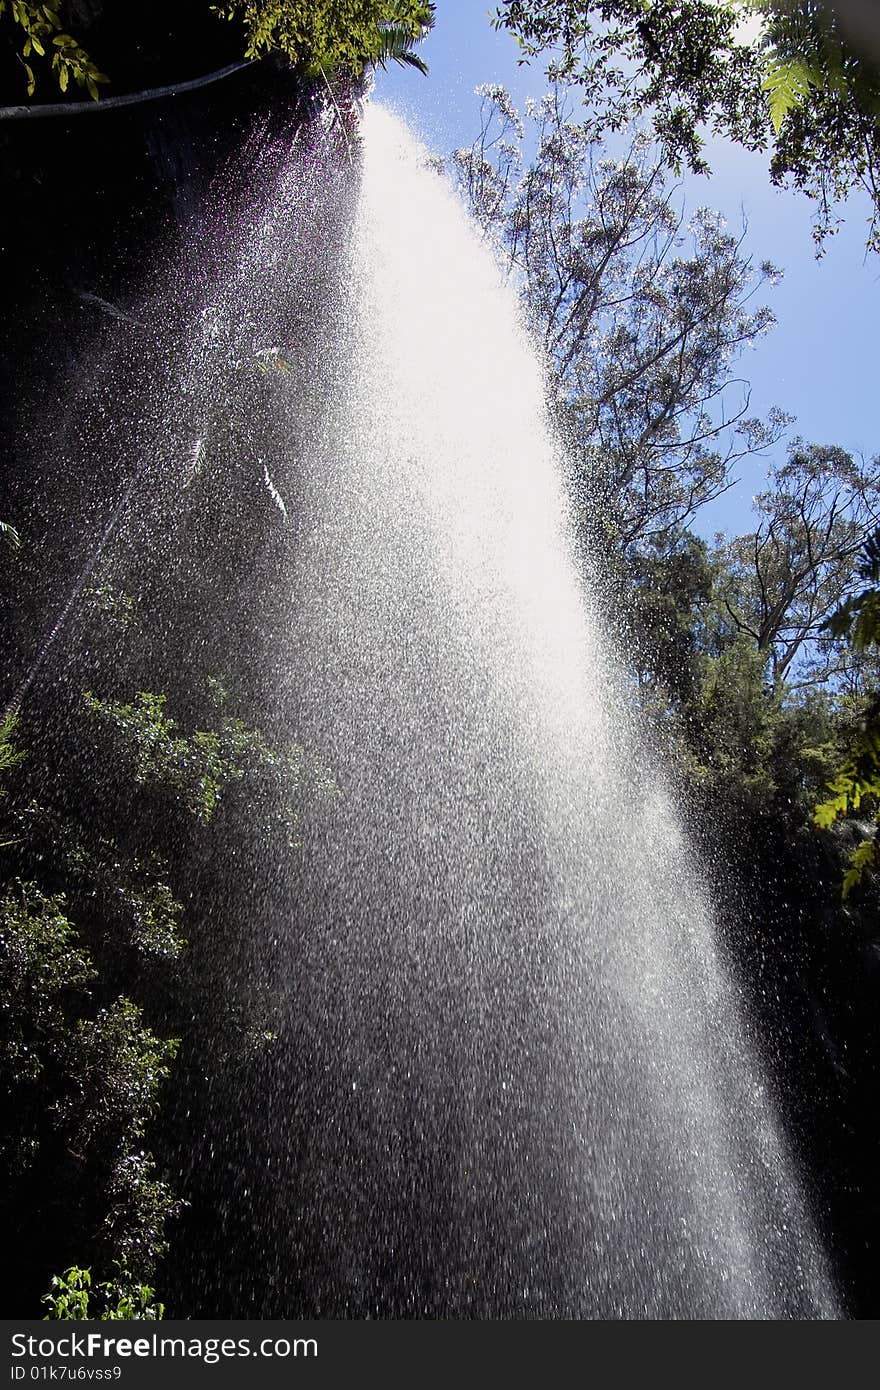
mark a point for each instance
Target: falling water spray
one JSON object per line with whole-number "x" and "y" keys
{"x": 508, "y": 1076}
{"x": 530, "y": 1092}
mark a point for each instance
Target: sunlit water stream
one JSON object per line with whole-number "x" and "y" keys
{"x": 512, "y": 1077}
{"x": 543, "y": 1099}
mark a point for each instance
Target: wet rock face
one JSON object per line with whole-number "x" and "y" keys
{"x": 96, "y": 191}
{"x": 122, "y": 368}
{"x": 94, "y": 208}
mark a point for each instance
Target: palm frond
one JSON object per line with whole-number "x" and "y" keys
{"x": 395, "y": 46}
{"x": 869, "y": 560}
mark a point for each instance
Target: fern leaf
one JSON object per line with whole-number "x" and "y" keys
{"x": 866, "y": 628}
{"x": 787, "y": 86}
{"x": 826, "y": 812}
{"x": 862, "y": 858}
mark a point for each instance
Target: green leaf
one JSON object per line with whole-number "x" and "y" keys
{"x": 787, "y": 86}
{"x": 826, "y": 812}
{"x": 861, "y": 859}
{"x": 396, "y": 45}
{"x": 9, "y": 533}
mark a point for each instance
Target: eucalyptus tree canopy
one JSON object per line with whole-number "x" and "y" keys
{"x": 788, "y": 576}
{"x": 798, "y": 77}
{"x": 642, "y": 315}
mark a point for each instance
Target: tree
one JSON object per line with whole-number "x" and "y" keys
{"x": 792, "y": 572}
{"x": 107, "y": 831}
{"x": 641, "y": 316}
{"x": 678, "y": 60}
{"x": 822, "y": 79}
{"x": 320, "y": 37}
{"x": 333, "y": 35}
{"x": 805, "y": 82}
{"x": 80, "y": 1084}
{"x": 73, "y": 1296}
{"x": 856, "y": 784}
{"x": 669, "y": 587}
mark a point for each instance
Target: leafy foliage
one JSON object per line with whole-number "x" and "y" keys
{"x": 858, "y": 618}
{"x": 395, "y": 46}
{"x": 857, "y": 781}
{"x": 199, "y": 770}
{"x": 9, "y": 754}
{"x": 805, "y": 83}
{"x": 823, "y": 86}
{"x": 80, "y": 1084}
{"x": 43, "y": 36}
{"x": 788, "y": 87}
{"x": 333, "y": 35}
{"x": 342, "y": 37}
{"x": 43, "y": 968}
{"x": 679, "y": 60}
{"x": 100, "y": 859}
{"x": 120, "y": 1299}
{"x": 789, "y": 575}
{"x": 668, "y": 588}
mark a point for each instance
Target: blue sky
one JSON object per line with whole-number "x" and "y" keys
{"x": 820, "y": 361}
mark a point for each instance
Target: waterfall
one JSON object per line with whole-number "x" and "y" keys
{"x": 509, "y": 1076}
{"x": 531, "y": 1094}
